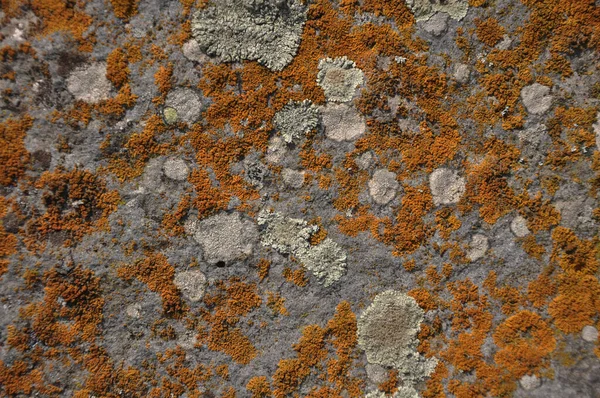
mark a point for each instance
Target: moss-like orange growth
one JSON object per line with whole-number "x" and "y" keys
{"x": 8, "y": 241}
{"x": 276, "y": 303}
{"x": 489, "y": 32}
{"x": 76, "y": 202}
{"x": 525, "y": 340}
{"x": 13, "y": 155}
{"x": 163, "y": 78}
{"x": 231, "y": 302}
{"x": 117, "y": 67}
{"x": 124, "y": 9}
{"x": 263, "y": 268}
{"x": 156, "y": 272}
{"x": 540, "y": 290}
{"x": 297, "y": 277}
{"x": 259, "y": 387}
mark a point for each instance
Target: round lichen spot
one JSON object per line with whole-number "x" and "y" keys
{"x": 192, "y": 284}
{"x": 89, "y": 83}
{"x": 296, "y": 119}
{"x": 339, "y": 77}
{"x": 589, "y": 333}
{"x": 383, "y": 186}
{"x": 446, "y": 186}
{"x": 170, "y": 115}
{"x": 187, "y": 104}
{"x": 342, "y": 122}
{"x": 176, "y": 169}
{"x": 387, "y": 332}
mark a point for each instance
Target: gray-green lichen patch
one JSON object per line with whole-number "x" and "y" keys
{"x": 339, "y": 77}
{"x": 284, "y": 234}
{"x": 425, "y": 9}
{"x": 326, "y": 260}
{"x": 267, "y": 31}
{"x": 296, "y": 119}
{"x": 387, "y": 332}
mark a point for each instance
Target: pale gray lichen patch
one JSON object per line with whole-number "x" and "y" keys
{"x": 425, "y": 9}
{"x": 224, "y": 237}
{"x": 284, "y": 234}
{"x": 293, "y": 178}
{"x": 276, "y": 150}
{"x": 387, "y": 332}
{"x": 89, "y": 83}
{"x": 383, "y": 186}
{"x": 191, "y": 283}
{"x": 536, "y": 98}
{"x": 339, "y": 77}
{"x": 326, "y": 260}
{"x": 589, "y": 333}
{"x": 477, "y": 247}
{"x": 296, "y": 119}
{"x": 530, "y": 382}
{"x": 186, "y": 103}
{"x": 267, "y": 31}
{"x": 446, "y": 186}
{"x": 342, "y": 122}
{"x": 518, "y": 226}
{"x": 176, "y": 169}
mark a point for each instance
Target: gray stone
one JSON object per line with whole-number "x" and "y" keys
{"x": 425, "y": 9}
{"x": 192, "y": 51}
{"x": 276, "y": 150}
{"x": 536, "y": 98}
{"x": 383, "y": 186}
{"x": 342, "y": 122}
{"x": 437, "y": 24}
{"x": 89, "y": 83}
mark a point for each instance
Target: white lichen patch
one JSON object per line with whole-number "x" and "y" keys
{"x": 134, "y": 310}
{"x": 296, "y": 119}
{"x": 477, "y": 247}
{"x": 425, "y": 9}
{"x": 293, "y": 178}
{"x": 339, "y": 77}
{"x": 276, "y": 150}
{"x": 326, "y": 260}
{"x": 89, "y": 83}
{"x": 589, "y": 333}
{"x": 536, "y": 98}
{"x": 387, "y": 332}
{"x": 518, "y": 226}
{"x": 530, "y": 382}
{"x": 446, "y": 186}
{"x": 342, "y": 122}
{"x": 224, "y": 237}
{"x": 186, "y": 103}
{"x": 192, "y": 284}
{"x": 176, "y": 169}
{"x": 383, "y": 186}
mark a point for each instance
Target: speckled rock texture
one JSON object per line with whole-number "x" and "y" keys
{"x": 299, "y": 198}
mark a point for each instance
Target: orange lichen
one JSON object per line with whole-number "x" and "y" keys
{"x": 276, "y": 303}
{"x": 156, "y": 272}
{"x": 525, "y": 340}
{"x": 446, "y": 222}
{"x": 391, "y": 384}
{"x": 13, "y": 156}
{"x": 124, "y": 9}
{"x": 8, "y": 241}
{"x": 540, "y": 290}
{"x": 263, "y": 267}
{"x": 117, "y": 67}
{"x": 76, "y": 202}
{"x": 297, "y": 277}
{"x": 489, "y": 32}
{"x": 231, "y": 302}
{"x": 163, "y": 78}
{"x": 259, "y": 387}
